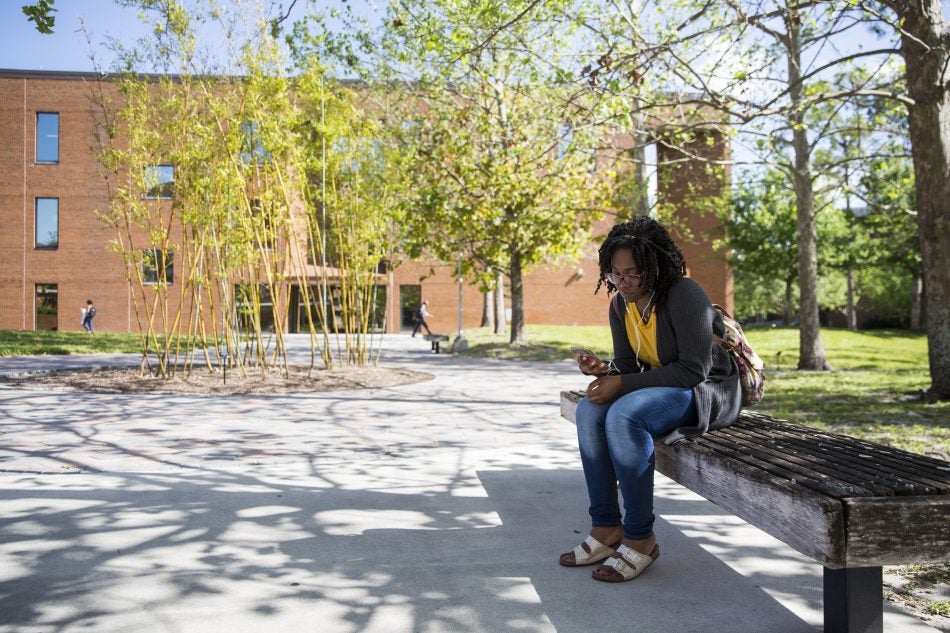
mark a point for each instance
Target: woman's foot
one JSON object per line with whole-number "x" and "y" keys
{"x": 644, "y": 545}
{"x": 609, "y": 534}
{"x": 599, "y": 544}
{"x": 632, "y": 557}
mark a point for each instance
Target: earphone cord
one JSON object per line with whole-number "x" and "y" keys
{"x": 636, "y": 331}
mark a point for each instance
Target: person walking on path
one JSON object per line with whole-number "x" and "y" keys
{"x": 668, "y": 380}
{"x": 88, "y": 314}
{"x": 420, "y": 318}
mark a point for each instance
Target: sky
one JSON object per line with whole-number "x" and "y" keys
{"x": 23, "y": 48}
{"x": 67, "y": 49}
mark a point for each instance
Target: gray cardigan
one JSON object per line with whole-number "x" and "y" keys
{"x": 684, "y": 341}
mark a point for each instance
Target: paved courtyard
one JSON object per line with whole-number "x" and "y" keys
{"x": 435, "y": 507}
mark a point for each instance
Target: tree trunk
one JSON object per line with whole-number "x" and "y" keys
{"x": 811, "y": 351}
{"x": 789, "y": 313}
{"x": 500, "y": 318}
{"x": 925, "y": 46}
{"x": 852, "y": 311}
{"x": 917, "y": 288}
{"x": 517, "y": 300}
{"x": 488, "y": 309}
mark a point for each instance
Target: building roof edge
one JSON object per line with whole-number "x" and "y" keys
{"x": 50, "y": 74}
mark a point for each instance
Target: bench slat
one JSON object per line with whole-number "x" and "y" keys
{"x": 817, "y": 479}
{"x": 898, "y": 472}
{"x": 929, "y": 472}
{"x": 834, "y": 472}
{"x": 826, "y": 477}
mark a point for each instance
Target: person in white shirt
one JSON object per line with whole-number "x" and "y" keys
{"x": 420, "y": 318}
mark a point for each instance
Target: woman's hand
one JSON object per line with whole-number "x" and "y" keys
{"x": 590, "y": 366}
{"x": 605, "y": 389}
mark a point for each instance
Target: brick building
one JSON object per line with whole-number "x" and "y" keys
{"x": 53, "y": 247}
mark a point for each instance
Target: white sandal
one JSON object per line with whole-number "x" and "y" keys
{"x": 627, "y": 563}
{"x": 593, "y": 554}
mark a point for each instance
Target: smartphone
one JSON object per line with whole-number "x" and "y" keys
{"x": 582, "y": 352}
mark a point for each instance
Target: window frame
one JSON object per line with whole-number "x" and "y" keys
{"x": 36, "y": 215}
{"x": 36, "y": 139}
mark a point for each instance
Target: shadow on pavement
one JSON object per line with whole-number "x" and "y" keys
{"x": 378, "y": 547}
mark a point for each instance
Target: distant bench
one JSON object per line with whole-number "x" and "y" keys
{"x": 435, "y": 339}
{"x": 853, "y": 506}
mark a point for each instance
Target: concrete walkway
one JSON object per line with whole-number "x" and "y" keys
{"x": 435, "y": 507}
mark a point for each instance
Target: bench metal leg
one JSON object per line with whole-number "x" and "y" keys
{"x": 854, "y": 600}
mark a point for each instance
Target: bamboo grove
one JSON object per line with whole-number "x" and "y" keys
{"x": 241, "y": 203}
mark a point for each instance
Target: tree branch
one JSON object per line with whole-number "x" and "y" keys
{"x": 494, "y": 33}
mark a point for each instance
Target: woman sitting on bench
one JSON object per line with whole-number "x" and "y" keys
{"x": 667, "y": 380}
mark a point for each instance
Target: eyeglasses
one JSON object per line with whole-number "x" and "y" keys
{"x": 616, "y": 279}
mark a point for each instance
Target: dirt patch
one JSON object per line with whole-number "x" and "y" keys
{"x": 921, "y": 590}
{"x": 203, "y": 381}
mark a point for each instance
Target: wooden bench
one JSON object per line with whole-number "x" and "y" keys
{"x": 853, "y": 506}
{"x": 435, "y": 339}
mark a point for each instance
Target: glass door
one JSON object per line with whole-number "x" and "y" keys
{"x": 410, "y": 296}
{"x": 46, "y": 308}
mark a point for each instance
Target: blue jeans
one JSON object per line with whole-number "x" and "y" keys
{"x": 616, "y": 444}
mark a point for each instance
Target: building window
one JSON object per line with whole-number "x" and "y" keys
{"x": 47, "y": 137}
{"x": 264, "y": 224}
{"x": 321, "y": 248}
{"x": 254, "y": 306}
{"x": 651, "y": 166}
{"x": 252, "y": 145}
{"x": 45, "y": 302}
{"x": 159, "y": 182}
{"x": 158, "y": 267}
{"x": 565, "y": 137}
{"x": 410, "y": 130}
{"x": 47, "y": 223}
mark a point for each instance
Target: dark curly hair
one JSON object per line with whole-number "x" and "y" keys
{"x": 658, "y": 258}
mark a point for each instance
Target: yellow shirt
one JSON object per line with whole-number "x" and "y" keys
{"x": 642, "y": 337}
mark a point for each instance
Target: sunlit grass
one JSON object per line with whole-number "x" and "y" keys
{"x": 544, "y": 342}
{"x": 48, "y": 343}
{"x": 34, "y": 343}
{"x": 873, "y": 392}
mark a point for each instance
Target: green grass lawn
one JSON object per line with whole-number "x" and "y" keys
{"x": 873, "y": 392}
{"x": 32, "y": 343}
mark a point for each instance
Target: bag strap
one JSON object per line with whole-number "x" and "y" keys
{"x": 722, "y": 309}
{"x": 718, "y": 339}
